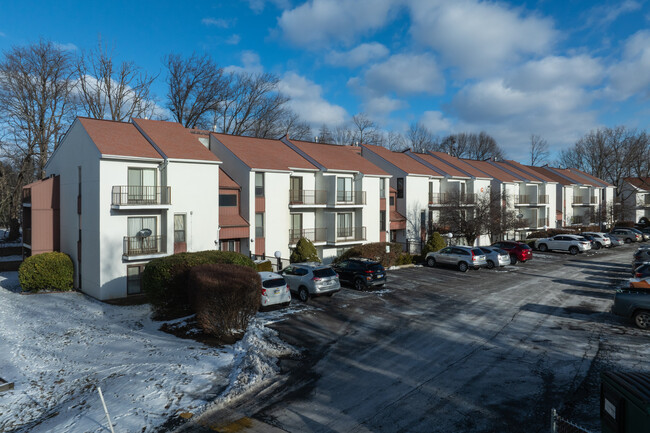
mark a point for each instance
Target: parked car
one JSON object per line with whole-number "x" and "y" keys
{"x": 460, "y": 256}
{"x": 633, "y": 304}
{"x": 361, "y": 273}
{"x": 642, "y": 271}
{"x": 640, "y": 283}
{"x": 600, "y": 240}
{"x": 519, "y": 251}
{"x": 589, "y": 238}
{"x": 311, "y": 279}
{"x": 495, "y": 256}
{"x": 641, "y": 256}
{"x": 275, "y": 290}
{"x": 616, "y": 242}
{"x": 626, "y": 235}
{"x": 571, "y": 243}
{"x": 644, "y": 236}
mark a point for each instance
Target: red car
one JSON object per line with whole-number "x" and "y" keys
{"x": 519, "y": 251}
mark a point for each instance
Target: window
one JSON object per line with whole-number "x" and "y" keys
{"x": 400, "y": 187}
{"x": 142, "y": 236}
{"x": 344, "y": 224}
{"x": 392, "y": 200}
{"x": 344, "y": 189}
{"x": 295, "y": 188}
{"x": 259, "y": 225}
{"x": 179, "y": 227}
{"x": 382, "y": 220}
{"x": 231, "y": 245}
{"x": 382, "y": 188}
{"x": 227, "y": 200}
{"x": 141, "y": 185}
{"x": 423, "y": 220}
{"x": 259, "y": 184}
{"x": 134, "y": 279}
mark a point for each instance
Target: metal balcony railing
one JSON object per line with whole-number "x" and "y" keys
{"x": 350, "y": 234}
{"x": 578, "y": 219}
{"x": 541, "y": 222}
{"x": 445, "y": 198}
{"x": 307, "y": 197}
{"x": 314, "y": 235}
{"x": 542, "y": 199}
{"x": 593, "y": 199}
{"x": 139, "y": 246}
{"x": 351, "y": 197}
{"x": 579, "y": 199}
{"x": 126, "y": 195}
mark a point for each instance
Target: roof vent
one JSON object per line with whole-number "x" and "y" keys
{"x": 316, "y": 139}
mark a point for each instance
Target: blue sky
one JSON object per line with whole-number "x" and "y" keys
{"x": 553, "y": 68}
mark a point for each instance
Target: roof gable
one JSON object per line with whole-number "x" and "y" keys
{"x": 174, "y": 140}
{"x": 493, "y": 170}
{"x": 402, "y": 161}
{"x": 335, "y": 157}
{"x": 118, "y": 138}
{"x": 639, "y": 182}
{"x": 459, "y": 164}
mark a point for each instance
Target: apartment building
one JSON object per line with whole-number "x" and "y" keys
{"x": 127, "y": 193}
{"x": 356, "y": 193}
{"x": 635, "y": 194}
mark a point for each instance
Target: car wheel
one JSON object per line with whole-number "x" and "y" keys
{"x": 628, "y": 240}
{"x": 303, "y": 294}
{"x": 513, "y": 260}
{"x": 597, "y": 246}
{"x": 359, "y": 284}
{"x": 642, "y": 319}
{"x": 463, "y": 267}
{"x": 431, "y": 262}
{"x": 573, "y": 250}
{"x": 490, "y": 264}
{"x": 542, "y": 247}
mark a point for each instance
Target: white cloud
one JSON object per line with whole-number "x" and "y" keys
{"x": 307, "y": 101}
{"x": 217, "y": 22}
{"x": 558, "y": 71}
{"x": 2, "y": 35}
{"x": 318, "y": 23}
{"x": 379, "y": 106}
{"x": 250, "y": 64}
{"x": 435, "y": 122}
{"x": 358, "y": 56}
{"x": 233, "y": 39}
{"x": 630, "y": 76}
{"x": 479, "y": 37}
{"x": 258, "y": 6}
{"x": 602, "y": 15}
{"x": 66, "y": 47}
{"x": 406, "y": 74}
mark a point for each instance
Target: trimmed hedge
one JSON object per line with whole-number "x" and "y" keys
{"x": 225, "y": 297}
{"x": 264, "y": 266}
{"x": 625, "y": 224}
{"x": 305, "y": 251}
{"x": 46, "y": 271}
{"x": 374, "y": 251}
{"x": 164, "y": 280}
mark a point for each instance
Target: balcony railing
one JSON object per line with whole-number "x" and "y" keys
{"x": 445, "y": 198}
{"x": 350, "y": 234}
{"x": 140, "y": 246}
{"x": 541, "y": 222}
{"x": 578, "y": 219}
{"x": 314, "y": 235}
{"x": 351, "y": 197}
{"x": 141, "y": 195}
{"x": 646, "y": 201}
{"x": 581, "y": 200}
{"x": 593, "y": 199}
{"x": 307, "y": 197}
{"x": 542, "y": 199}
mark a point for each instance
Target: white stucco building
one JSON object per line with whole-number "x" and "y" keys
{"x": 635, "y": 194}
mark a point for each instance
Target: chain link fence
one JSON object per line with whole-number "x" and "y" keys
{"x": 562, "y": 425}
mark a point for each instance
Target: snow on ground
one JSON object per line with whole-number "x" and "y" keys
{"x": 58, "y": 347}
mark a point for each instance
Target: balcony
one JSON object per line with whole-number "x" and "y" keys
{"x": 646, "y": 201}
{"x": 143, "y": 246}
{"x": 541, "y": 222}
{"x": 584, "y": 201}
{"x": 350, "y": 234}
{"x": 531, "y": 199}
{"x": 542, "y": 199}
{"x": 305, "y": 197}
{"x": 578, "y": 219}
{"x": 350, "y": 198}
{"x": 445, "y": 198}
{"x": 141, "y": 196}
{"x": 314, "y": 235}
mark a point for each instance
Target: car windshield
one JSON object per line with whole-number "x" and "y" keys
{"x": 525, "y": 247}
{"x": 477, "y": 252}
{"x": 324, "y": 272}
{"x": 500, "y": 251}
{"x": 276, "y": 282}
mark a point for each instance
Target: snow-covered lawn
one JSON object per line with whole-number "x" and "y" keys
{"x": 57, "y": 348}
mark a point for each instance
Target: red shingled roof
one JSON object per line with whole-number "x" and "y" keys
{"x": 334, "y": 157}
{"x": 118, "y": 138}
{"x": 529, "y": 171}
{"x": 263, "y": 153}
{"x": 174, "y": 140}
{"x": 401, "y": 161}
{"x": 639, "y": 182}
{"x": 588, "y": 176}
{"x": 440, "y": 165}
{"x": 492, "y": 171}
{"x": 459, "y": 163}
{"x": 227, "y": 182}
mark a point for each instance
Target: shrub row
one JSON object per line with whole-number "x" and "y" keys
{"x": 46, "y": 271}
{"x": 375, "y": 251}
{"x": 165, "y": 279}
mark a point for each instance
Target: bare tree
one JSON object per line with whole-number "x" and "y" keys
{"x": 36, "y": 82}
{"x": 538, "y": 150}
{"x": 365, "y": 130}
{"x": 196, "y": 86}
{"x": 420, "y": 138}
{"x": 325, "y": 134}
{"x": 471, "y": 145}
{"x": 395, "y": 141}
{"x": 342, "y": 136}
{"x": 110, "y": 91}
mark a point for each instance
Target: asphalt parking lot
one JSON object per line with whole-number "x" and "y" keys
{"x": 437, "y": 350}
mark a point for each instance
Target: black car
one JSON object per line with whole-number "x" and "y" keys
{"x": 592, "y": 240}
{"x": 642, "y": 271}
{"x": 361, "y": 273}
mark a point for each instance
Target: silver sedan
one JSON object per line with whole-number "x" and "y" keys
{"x": 495, "y": 256}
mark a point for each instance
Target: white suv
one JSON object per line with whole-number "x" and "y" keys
{"x": 600, "y": 240}
{"x": 311, "y": 279}
{"x": 571, "y": 243}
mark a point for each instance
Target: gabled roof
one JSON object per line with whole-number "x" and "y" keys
{"x": 639, "y": 182}
{"x": 335, "y": 157}
{"x": 439, "y": 166}
{"x": 174, "y": 140}
{"x": 492, "y": 170}
{"x": 563, "y": 176}
{"x": 528, "y": 171}
{"x": 402, "y": 161}
{"x": 460, "y": 164}
{"x": 546, "y": 171}
{"x": 263, "y": 153}
{"x": 598, "y": 181}
{"x": 227, "y": 182}
{"x": 118, "y": 138}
